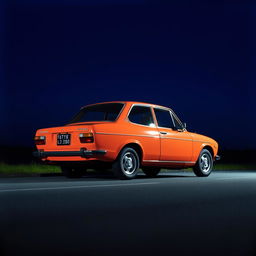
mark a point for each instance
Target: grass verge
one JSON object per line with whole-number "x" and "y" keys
{"x": 235, "y": 167}
{"x": 30, "y": 169}
{"x": 13, "y": 169}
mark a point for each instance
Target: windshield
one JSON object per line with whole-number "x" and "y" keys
{"x": 99, "y": 112}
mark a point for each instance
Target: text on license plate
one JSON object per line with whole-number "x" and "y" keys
{"x": 63, "y": 139}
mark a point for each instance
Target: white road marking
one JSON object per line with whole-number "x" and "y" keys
{"x": 75, "y": 187}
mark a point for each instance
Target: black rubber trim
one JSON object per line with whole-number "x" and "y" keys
{"x": 82, "y": 153}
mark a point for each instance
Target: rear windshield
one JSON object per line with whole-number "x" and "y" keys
{"x": 100, "y": 112}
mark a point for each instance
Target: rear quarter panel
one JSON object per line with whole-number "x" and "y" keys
{"x": 113, "y": 137}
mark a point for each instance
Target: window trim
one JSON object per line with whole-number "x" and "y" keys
{"x": 170, "y": 112}
{"x": 175, "y": 116}
{"x": 141, "y": 105}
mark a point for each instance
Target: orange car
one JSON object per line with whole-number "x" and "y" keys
{"x": 126, "y": 136}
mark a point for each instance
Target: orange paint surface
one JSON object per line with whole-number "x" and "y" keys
{"x": 164, "y": 147}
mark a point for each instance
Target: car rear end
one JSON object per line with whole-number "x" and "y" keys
{"x": 67, "y": 144}
{"x": 76, "y": 141}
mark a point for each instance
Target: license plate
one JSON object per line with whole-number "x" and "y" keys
{"x": 63, "y": 139}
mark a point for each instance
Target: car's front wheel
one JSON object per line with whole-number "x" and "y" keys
{"x": 204, "y": 164}
{"x": 71, "y": 172}
{"x": 127, "y": 164}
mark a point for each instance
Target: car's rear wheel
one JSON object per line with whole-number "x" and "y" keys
{"x": 127, "y": 164}
{"x": 72, "y": 172}
{"x": 204, "y": 164}
{"x": 151, "y": 171}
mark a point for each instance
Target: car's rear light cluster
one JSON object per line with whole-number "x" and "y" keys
{"x": 86, "y": 137}
{"x": 40, "y": 140}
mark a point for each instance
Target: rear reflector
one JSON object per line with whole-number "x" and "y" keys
{"x": 86, "y": 137}
{"x": 40, "y": 140}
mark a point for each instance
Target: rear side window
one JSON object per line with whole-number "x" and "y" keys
{"x": 164, "y": 118}
{"x": 141, "y": 115}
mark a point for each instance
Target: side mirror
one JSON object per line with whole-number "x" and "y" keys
{"x": 185, "y": 125}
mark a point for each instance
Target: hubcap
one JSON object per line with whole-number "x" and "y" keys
{"x": 205, "y": 163}
{"x": 129, "y": 163}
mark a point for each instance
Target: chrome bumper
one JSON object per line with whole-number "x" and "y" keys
{"x": 217, "y": 157}
{"x": 82, "y": 153}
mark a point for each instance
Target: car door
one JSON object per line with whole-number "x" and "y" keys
{"x": 175, "y": 142}
{"x": 143, "y": 129}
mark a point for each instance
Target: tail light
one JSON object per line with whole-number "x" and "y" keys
{"x": 40, "y": 140}
{"x": 86, "y": 137}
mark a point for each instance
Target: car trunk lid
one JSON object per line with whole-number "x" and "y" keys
{"x": 65, "y": 137}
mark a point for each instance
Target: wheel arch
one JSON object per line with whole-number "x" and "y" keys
{"x": 210, "y": 149}
{"x": 136, "y": 146}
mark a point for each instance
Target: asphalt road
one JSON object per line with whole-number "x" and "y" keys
{"x": 174, "y": 214}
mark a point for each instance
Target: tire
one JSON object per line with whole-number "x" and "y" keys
{"x": 71, "y": 172}
{"x": 151, "y": 171}
{"x": 127, "y": 164}
{"x": 204, "y": 164}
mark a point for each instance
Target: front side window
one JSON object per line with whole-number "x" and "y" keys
{"x": 99, "y": 112}
{"x": 164, "y": 118}
{"x": 141, "y": 115}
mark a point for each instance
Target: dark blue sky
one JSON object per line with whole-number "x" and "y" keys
{"x": 198, "y": 59}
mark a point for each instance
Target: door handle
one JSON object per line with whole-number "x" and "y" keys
{"x": 163, "y": 133}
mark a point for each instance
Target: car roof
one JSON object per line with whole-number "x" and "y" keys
{"x": 131, "y": 102}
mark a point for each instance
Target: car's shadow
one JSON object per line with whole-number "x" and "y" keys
{"x": 160, "y": 176}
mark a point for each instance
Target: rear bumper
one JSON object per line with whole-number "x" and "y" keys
{"x": 82, "y": 153}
